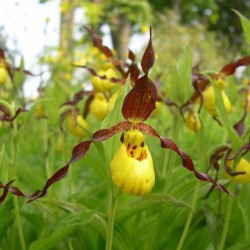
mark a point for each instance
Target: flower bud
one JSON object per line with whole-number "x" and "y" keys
{"x": 209, "y": 101}
{"x": 99, "y": 106}
{"x": 132, "y": 166}
{"x": 103, "y": 85}
{"x": 192, "y": 121}
{"x": 77, "y": 126}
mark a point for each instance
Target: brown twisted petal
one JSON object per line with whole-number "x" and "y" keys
{"x": 230, "y": 68}
{"x": 5, "y": 190}
{"x": 14, "y": 190}
{"x": 93, "y": 73}
{"x": 6, "y": 116}
{"x": 80, "y": 151}
{"x": 97, "y": 41}
{"x": 186, "y": 160}
{"x": 105, "y": 134}
{"x": 57, "y": 176}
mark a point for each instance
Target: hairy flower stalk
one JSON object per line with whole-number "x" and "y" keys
{"x": 132, "y": 166}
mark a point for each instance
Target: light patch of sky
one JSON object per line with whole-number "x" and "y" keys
{"x": 25, "y": 26}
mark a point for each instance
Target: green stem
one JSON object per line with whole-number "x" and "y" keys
{"x": 190, "y": 217}
{"x": 16, "y": 205}
{"x": 46, "y": 148}
{"x": 111, "y": 221}
{"x": 202, "y": 159}
{"x": 227, "y": 220}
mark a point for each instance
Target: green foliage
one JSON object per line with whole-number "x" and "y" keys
{"x": 245, "y": 23}
{"x": 74, "y": 213}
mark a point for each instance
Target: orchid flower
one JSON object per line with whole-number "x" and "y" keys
{"x": 132, "y": 166}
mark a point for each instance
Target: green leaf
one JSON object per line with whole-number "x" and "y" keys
{"x": 221, "y": 110}
{"x": 245, "y": 23}
{"x": 112, "y": 118}
{"x": 62, "y": 230}
{"x": 244, "y": 205}
{"x": 184, "y": 72}
{"x": 19, "y": 76}
{"x": 214, "y": 225}
{"x": 240, "y": 246}
{"x": 7, "y": 218}
{"x": 150, "y": 201}
{"x": 3, "y": 169}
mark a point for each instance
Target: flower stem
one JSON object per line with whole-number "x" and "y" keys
{"x": 111, "y": 220}
{"x": 202, "y": 159}
{"x": 227, "y": 220}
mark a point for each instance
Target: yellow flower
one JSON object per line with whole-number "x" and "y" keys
{"x": 132, "y": 166}
{"x": 3, "y": 75}
{"x": 242, "y": 166}
{"x": 99, "y": 106}
{"x": 103, "y": 85}
{"x": 192, "y": 121}
{"x": 77, "y": 126}
{"x": 209, "y": 101}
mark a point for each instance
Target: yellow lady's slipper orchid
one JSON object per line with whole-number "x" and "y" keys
{"x": 3, "y": 75}
{"x": 244, "y": 167}
{"x": 209, "y": 101}
{"x": 132, "y": 166}
{"x": 103, "y": 85}
{"x": 99, "y": 106}
{"x": 77, "y": 126}
{"x": 192, "y": 121}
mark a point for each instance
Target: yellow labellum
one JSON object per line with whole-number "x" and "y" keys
{"x": 209, "y": 101}
{"x": 77, "y": 126}
{"x": 242, "y": 166}
{"x": 103, "y": 85}
{"x": 192, "y": 121}
{"x": 99, "y": 106}
{"x": 132, "y": 166}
